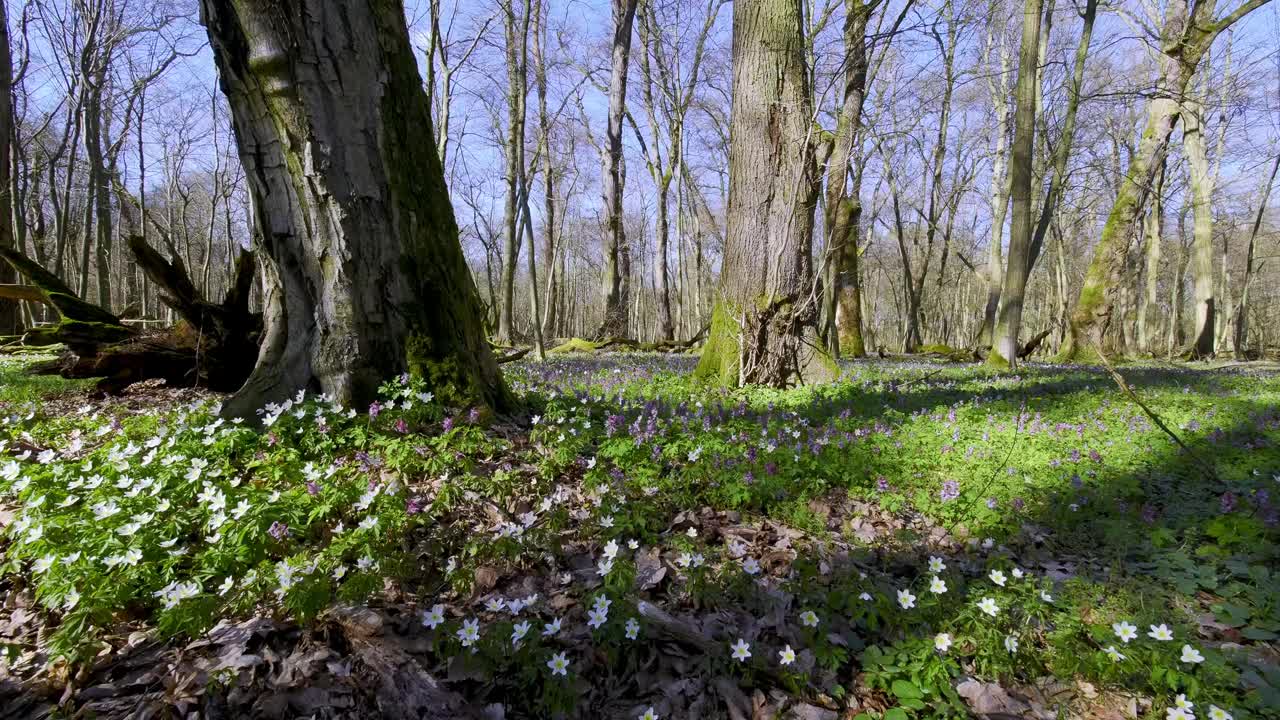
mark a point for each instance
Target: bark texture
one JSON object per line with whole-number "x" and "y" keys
{"x": 9, "y": 316}
{"x": 764, "y": 326}
{"x": 615, "y": 281}
{"x": 1005, "y": 347}
{"x": 364, "y": 275}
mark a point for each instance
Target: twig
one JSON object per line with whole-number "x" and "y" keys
{"x": 1124, "y": 387}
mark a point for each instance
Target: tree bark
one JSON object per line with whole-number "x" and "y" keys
{"x": 998, "y": 87}
{"x": 764, "y": 326}
{"x": 615, "y": 281}
{"x": 1201, "y": 185}
{"x": 1005, "y": 346}
{"x": 1152, "y": 229}
{"x": 9, "y": 311}
{"x": 364, "y": 275}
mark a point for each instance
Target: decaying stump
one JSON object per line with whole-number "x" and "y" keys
{"x": 214, "y": 345}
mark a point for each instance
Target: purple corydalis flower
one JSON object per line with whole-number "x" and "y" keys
{"x": 473, "y": 416}
{"x": 1228, "y": 502}
{"x": 313, "y": 487}
{"x": 278, "y": 530}
{"x": 1018, "y": 504}
{"x": 375, "y": 407}
{"x": 882, "y": 483}
{"x": 992, "y": 503}
{"x": 402, "y": 427}
{"x": 448, "y": 424}
{"x": 950, "y": 490}
{"x": 413, "y": 506}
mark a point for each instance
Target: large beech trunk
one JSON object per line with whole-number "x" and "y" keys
{"x": 363, "y": 272}
{"x": 764, "y": 327}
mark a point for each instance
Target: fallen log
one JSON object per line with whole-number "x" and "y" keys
{"x": 214, "y": 345}
{"x": 1033, "y": 344}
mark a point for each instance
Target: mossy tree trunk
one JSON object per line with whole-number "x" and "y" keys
{"x": 1185, "y": 38}
{"x": 615, "y": 280}
{"x": 9, "y": 315}
{"x": 764, "y": 325}
{"x": 364, "y": 275}
{"x": 844, "y": 186}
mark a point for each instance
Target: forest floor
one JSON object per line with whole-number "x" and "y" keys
{"x": 917, "y": 540}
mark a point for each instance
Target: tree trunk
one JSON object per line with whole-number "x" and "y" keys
{"x": 997, "y": 85}
{"x": 764, "y": 327}
{"x": 1005, "y": 346}
{"x": 616, "y": 280}
{"x": 1242, "y": 308}
{"x": 1201, "y": 186}
{"x": 364, "y": 275}
{"x": 516, "y": 88}
{"x": 9, "y": 311}
{"x": 1147, "y": 334}
{"x": 844, "y": 206}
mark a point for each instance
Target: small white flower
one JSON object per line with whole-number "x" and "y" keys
{"x": 559, "y": 664}
{"x": 1125, "y": 630}
{"x": 1182, "y": 703}
{"x": 1011, "y": 643}
{"x": 1046, "y": 596}
{"x": 1174, "y": 713}
{"x": 937, "y": 585}
{"x": 906, "y": 599}
{"x": 1217, "y": 713}
{"x": 865, "y": 597}
{"x": 809, "y": 618}
{"x": 1160, "y": 632}
{"x": 633, "y": 628}
{"x": 942, "y": 642}
{"x": 997, "y": 577}
{"x": 1114, "y": 654}
{"x": 495, "y": 604}
{"x": 786, "y": 655}
{"x": 469, "y": 633}
{"x": 936, "y": 565}
{"x": 649, "y": 715}
{"x": 750, "y": 566}
{"x": 1191, "y": 655}
{"x": 71, "y": 600}
{"x": 597, "y": 617}
{"x": 740, "y": 650}
{"x": 604, "y": 567}
{"x": 226, "y": 585}
{"x": 433, "y": 617}
{"x": 551, "y": 628}
{"x": 518, "y": 631}
{"x": 1017, "y": 573}
{"x": 988, "y": 606}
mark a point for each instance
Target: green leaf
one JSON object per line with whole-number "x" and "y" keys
{"x": 1257, "y": 633}
{"x": 906, "y": 690}
{"x": 895, "y": 714}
